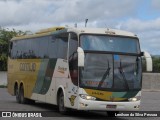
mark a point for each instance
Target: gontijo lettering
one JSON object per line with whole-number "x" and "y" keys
{"x": 27, "y": 67}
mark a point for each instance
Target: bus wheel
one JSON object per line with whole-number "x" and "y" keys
{"x": 29, "y": 101}
{"x": 112, "y": 113}
{"x": 21, "y": 95}
{"x": 61, "y": 107}
{"x": 17, "y": 95}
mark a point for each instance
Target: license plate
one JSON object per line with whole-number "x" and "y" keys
{"x": 111, "y": 106}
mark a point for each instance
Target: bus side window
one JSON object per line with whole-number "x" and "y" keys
{"x": 10, "y": 49}
{"x": 73, "y": 58}
{"x": 22, "y": 48}
{"x": 34, "y": 50}
{"x": 62, "y": 42}
{"x": 52, "y": 47}
{"x": 14, "y": 50}
{"x": 43, "y": 47}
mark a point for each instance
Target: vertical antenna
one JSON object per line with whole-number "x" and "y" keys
{"x": 86, "y": 22}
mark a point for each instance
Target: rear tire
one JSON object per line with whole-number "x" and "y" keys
{"x": 61, "y": 106}
{"x": 23, "y": 100}
{"x": 17, "y": 94}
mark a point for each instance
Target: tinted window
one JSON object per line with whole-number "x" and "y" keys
{"x": 34, "y": 48}
{"x": 42, "y": 47}
{"x": 52, "y": 47}
{"x": 25, "y": 47}
{"x": 109, "y": 43}
{"x": 62, "y": 47}
{"x": 22, "y": 49}
{"x": 14, "y": 50}
{"x": 73, "y": 44}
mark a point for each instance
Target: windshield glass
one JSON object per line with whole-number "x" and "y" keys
{"x": 109, "y": 43}
{"x": 96, "y": 65}
{"x": 109, "y": 71}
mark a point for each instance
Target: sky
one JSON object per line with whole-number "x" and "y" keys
{"x": 141, "y": 17}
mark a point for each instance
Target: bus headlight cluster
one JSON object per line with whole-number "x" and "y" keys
{"x": 87, "y": 97}
{"x": 137, "y": 98}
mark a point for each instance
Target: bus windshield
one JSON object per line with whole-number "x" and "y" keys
{"x": 112, "y": 72}
{"x": 109, "y": 43}
{"x": 109, "y": 63}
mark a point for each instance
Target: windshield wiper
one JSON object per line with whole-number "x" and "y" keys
{"x": 104, "y": 76}
{"x": 124, "y": 77}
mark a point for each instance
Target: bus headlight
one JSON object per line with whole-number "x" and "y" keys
{"x": 137, "y": 98}
{"x": 87, "y": 97}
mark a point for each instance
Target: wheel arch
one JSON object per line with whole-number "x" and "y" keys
{"x": 16, "y": 85}
{"x": 21, "y": 84}
{"x": 59, "y": 90}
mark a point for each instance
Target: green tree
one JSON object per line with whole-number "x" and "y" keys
{"x": 156, "y": 64}
{"x": 143, "y": 65}
{"x": 5, "y": 36}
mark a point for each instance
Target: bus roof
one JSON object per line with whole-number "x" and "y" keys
{"x": 43, "y": 32}
{"x": 101, "y": 31}
{"x": 56, "y": 30}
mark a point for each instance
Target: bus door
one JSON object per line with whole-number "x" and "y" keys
{"x": 72, "y": 84}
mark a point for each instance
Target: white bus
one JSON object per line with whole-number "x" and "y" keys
{"x": 78, "y": 68}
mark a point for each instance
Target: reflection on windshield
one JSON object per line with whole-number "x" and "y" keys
{"x": 131, "y": 67}
{"x": 106, "y": 74}
{"x": 96, "y": 71}
{"x": 123, "y": 75}
{"x": 108, "y": 71}
{"x": 109, "y": 43}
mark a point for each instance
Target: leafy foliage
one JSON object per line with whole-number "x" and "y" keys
{"x": 156, "y": 64}
{"x": 5, "y": 36}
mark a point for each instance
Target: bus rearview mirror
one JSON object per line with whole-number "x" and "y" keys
{"x": 80, "y": 57}
{"x": 142, "y": 54}
{"x": 148, "y": 59}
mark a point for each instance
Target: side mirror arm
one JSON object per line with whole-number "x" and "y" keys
{"x": 149, "y": 65}
{"x": 80, "y": 52}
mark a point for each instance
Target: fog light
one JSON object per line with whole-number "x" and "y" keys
{"x": 137, "y": 106}
{"x": 82, "y": 104}
{"x": 86, "y": 105}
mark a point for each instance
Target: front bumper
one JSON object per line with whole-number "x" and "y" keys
{"x": 103, "y": 105}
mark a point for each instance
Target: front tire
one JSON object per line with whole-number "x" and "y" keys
{"x": 61, "y": 107}
{"x": 29, "y": 101}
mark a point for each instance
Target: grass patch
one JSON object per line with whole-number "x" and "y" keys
{"x": 3, "y": 86}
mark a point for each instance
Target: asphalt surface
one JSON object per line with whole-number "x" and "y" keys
{"x": 150, "y": 102}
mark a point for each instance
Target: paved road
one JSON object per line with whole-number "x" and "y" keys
{"x": 150, "y": 102}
